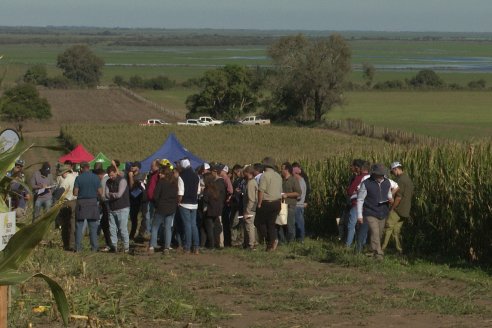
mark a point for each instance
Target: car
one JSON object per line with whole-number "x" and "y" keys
{"x": 209, "y": 120}
{"x": 254, "y": 120}
{"x": 154, "y": 122}
{"x": 192, "y": 122}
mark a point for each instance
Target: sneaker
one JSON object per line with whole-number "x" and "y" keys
{"x": 195, "y": 251}
{"x": 106, "y": 249}
{"x": 165, "y": 251}
{"x": 150, "y": 250}
{"x": 126, "y": 251}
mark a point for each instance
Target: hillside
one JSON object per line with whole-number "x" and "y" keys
{"x": 92, "y": 106}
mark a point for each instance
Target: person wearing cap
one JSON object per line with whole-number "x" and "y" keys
{"x": 42, "y": 183}
{"x": 373, "y": 203}
{"x": 188, "y": 205}
{"x": 269, "y": 200}
{"x": 66, "y": 180}
{"x": 400, "y": 209}
{"x": 291, "y": 190}
{"x": 87, "y": 188}
{"x": 138, "y": 199}
{"x": 19, "y": 194}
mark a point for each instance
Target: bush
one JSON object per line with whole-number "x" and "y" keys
{"x": 57, "y": 82}
{"x": 158, "y": 83}
{"x": 36, "y": 74}
{"x": 392, "y": 84}
{"x": 426, "y": 78}
{"x": 478, "y": 84}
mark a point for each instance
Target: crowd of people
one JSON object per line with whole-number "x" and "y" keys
{"x": 174, "y": 206}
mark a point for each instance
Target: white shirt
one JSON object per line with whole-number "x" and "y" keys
{"x": 68, "y": 184}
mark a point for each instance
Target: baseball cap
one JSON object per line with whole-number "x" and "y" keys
{"x": 20, "y": 162}
{"x": 206, "y": 166}
{"x": 394, "y": 165}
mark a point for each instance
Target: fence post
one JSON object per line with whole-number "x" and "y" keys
{"x": 4, "y": 302}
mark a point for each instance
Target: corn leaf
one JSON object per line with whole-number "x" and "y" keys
{"x": 25, "y": 240}
{"x": 8, "y": 158}
{"x": 13, "y": 277}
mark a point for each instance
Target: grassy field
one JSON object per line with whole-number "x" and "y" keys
{"x": 311, "y": 285}
{"x": 181, "y": 63}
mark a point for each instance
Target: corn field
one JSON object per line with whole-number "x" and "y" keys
{"x": 452, "y": 206}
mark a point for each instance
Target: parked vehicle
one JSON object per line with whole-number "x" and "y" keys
{"x": 231, "y": 122}
{"x": 209, "y": 120}
{"x": 254, "y": 120}
{"x": 153, "y": 122}
{"x": 192, "y": 122}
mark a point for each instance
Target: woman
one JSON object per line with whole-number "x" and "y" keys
{"x": 250, "y": 200}
{"x": 165, "y": 201}
{"x": 212, "y": 207}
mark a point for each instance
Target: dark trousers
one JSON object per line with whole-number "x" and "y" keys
{"x": 209, "y": 222}
{"x": 135, "y": 209}
{"x": 104, "y": 225}
{"x": 265, "y": 220}
{"x": 67, "y": 222}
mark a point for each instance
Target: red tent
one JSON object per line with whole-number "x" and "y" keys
{"x": 77, "y": 155}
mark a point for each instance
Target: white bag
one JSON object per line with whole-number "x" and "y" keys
{"x": 282, "y": 216}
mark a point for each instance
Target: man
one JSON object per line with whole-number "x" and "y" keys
{"x": 118, "y": 195}
{"x": 103, "y": 210}
{"x": 19, "y": 194}
{"x": 87, "y": 188}
{"x": 301, "y": 205}
{"x": 291, "y": 191}
{"x": 400, "y": 210}
{"x": 188, "y": 205}
{"x": 269, "y": 196}
{"x": 42, "y": 184}
{"x": 66, "y": 180}
{"x": 373, "y": 201}
{"x": 222, "y": 190}
{"x": 236, "y": 216}
{"x": 148, "y": 206}
{"x": 138, "y": 199}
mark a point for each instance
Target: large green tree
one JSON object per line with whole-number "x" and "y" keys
{"x": 81, "y": 65}
{"x": 226, "y": 92}
{"x": 23, "y": 102}
{"x": 314, "y": 70}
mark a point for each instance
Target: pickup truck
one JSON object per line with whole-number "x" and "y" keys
{"x": 192, "y": 122}
{"x": 209, "y": 120}
{"x": 154, "y": 122}
{"x": 254, "y": 120}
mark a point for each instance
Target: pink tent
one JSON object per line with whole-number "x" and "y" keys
{"x": 77, "y": 155}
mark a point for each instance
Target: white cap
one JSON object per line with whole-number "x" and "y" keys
{"x": 226, "y": 169}
{"x": 206, "y": 166}
{"x": 185, "y": 163}
{"x": 394, "y": 165}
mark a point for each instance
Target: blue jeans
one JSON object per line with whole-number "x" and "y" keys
{"x": 165, "y": 223}
{"x": 79, "y": 231}
{"x": 149, "y": 216}
{"x": 300, "y": 230}
{"x": 362, "y": 235}
{"x": 39, "y": 204}
{"x": 118, "y": 222}
{"x": 352, "y": 221}
{"x": 190, "y": 228}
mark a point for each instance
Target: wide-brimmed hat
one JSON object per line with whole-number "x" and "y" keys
{"x": 378, "y": 169}
{"x": 269, "y": 162}
{"x": 64, "y": 169}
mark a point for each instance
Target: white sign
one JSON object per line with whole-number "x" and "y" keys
{"x": 7, "y": 228}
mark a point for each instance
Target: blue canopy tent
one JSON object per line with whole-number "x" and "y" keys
{"x": 173, "y": 151}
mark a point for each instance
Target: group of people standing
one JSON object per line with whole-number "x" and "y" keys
{"x": 377, "y": 206}
{"x": 174, "y": 205}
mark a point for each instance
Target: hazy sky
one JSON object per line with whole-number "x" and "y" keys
{"x": 374, "y": 15}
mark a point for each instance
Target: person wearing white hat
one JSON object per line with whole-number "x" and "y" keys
{"x": 188, "y": 205}
{"x": 400, "y": 209}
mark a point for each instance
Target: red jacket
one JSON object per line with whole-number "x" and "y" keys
{"x": 154, "y": 178}
{"x": 352, "y": 189}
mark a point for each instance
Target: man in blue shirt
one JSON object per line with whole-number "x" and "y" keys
{"x": 87, "y": 188}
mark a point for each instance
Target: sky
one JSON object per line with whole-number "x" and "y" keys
{"x": 341, "y": 15}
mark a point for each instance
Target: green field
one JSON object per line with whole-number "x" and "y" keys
{"x": 181, "y": 63}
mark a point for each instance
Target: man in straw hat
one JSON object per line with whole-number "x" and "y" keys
{"x": 373, "y": 203}
{"x": 269, "y": 200}
{"x": 66, "y": 180}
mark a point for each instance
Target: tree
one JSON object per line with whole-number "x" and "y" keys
{"x": 368, "y": 72}
{"x": 36, "y": 74}
{"x": 226, "y": 92}
{"x": 426, "y": 78}
{"x": 81, "y": 65}
{"x": 314, "y": 70}
{"x": 23, "y": 102}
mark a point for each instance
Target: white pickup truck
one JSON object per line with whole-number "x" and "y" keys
{"x": 254, "y": 120}
{"x": 192, "y": 122}
{"x": 154, "y": 122}
{"x": 209, "y": 120}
